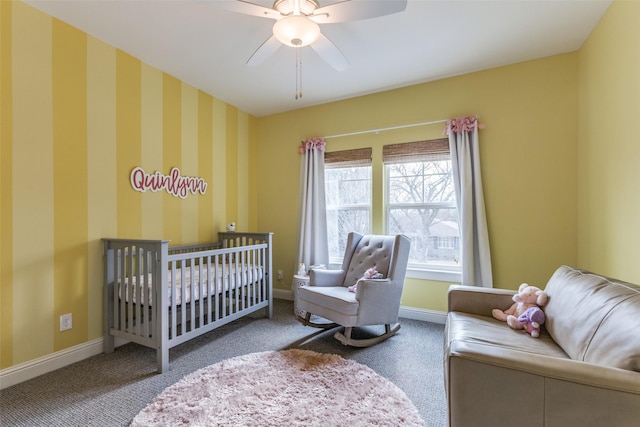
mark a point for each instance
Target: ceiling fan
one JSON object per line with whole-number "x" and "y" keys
{"x": 297, "y": 23}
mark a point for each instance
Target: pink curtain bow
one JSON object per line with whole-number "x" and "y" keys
{"x": 462, "y": 124}
{"x": 311, "y": 144}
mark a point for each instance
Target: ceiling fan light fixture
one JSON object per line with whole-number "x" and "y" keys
{"x": 287, "y": 7}
{"x": 296, "y": 31}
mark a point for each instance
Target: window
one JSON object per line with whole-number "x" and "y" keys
{"x": 420, "y": 202}
{"x": 348, "y": 197}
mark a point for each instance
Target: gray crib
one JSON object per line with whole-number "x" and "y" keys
{"x": 161, "y": 296}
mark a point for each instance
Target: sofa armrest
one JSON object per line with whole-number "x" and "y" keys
{"x": 479, "y": 301}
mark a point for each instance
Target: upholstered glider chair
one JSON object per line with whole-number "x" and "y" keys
{"x": 348, "y": 299}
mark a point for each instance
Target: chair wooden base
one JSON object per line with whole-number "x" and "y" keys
{"x": 345, "y": 338}
{"x": 306, "y": 320}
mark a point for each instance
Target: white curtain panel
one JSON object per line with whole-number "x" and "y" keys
{"x": 474, "y": 236}
{"x": 312, "y": 224}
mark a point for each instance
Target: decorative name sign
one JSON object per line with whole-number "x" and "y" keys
{"x": 174, "y": 183}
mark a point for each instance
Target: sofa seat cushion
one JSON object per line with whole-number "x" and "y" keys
{"x": 594, "y": 318}
{"x": 335, "y": 298}
{"x": 489, "y": 331}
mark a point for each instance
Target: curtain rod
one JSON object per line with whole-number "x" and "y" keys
{"x": 384, "y": 129}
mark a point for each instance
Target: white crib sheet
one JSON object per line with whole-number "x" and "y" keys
{"x": 247, "y": 274}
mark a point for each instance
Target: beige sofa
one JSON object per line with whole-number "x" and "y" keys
{"x": 583, "y": 370}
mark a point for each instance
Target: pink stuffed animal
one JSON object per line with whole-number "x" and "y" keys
{"x": 527, "y": 297}
{"x": 371, "y": 273}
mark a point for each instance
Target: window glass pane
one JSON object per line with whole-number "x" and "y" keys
{"x": 348, "y": 196}
{"x": 434, "y": 234}
{"x": 341, "y": 222}
{"x": 420, "y": 182}
{"x": 421, "y": 204}
{"x": 348, "y": 186}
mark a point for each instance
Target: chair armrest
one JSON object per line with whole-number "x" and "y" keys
{"x": 379, "y": 301}
{"x": 476, "y": 300}
{"x": 326, "y": 277}
{"x": 380, "y": 288}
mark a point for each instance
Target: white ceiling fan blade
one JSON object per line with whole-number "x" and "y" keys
{"x": 268, "y": 48}
{"x": 330, "y": 53}
{"x": 244, "y": 7}
{"x": 354, "y": 10}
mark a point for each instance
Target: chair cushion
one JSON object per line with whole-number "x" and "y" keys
{"x": 337, "y": 298}
{"x": 371, "y": 251}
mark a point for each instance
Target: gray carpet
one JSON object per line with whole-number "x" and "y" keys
{"x": 110, "y": 389}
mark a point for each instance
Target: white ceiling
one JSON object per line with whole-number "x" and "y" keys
{"x": 208, "y": 47}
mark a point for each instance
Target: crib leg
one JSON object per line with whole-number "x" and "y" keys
{"x": 163, "y": 359}
{"x": 108, "y": 344}
{"x": 270, "y": 309}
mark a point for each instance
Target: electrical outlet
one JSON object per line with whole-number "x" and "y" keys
{"x": 280, "y": 275}
{"x": 66, "y": 322}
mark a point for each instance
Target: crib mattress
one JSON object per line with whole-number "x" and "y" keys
{"x": 221, "y": 279}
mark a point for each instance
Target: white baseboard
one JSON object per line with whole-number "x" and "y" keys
{"x": 423, "y": 314}
{"x": 432, "y": 316}
{"x": 33, "y": 368}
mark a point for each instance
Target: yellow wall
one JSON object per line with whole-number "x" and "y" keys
{"x": 609, "y": 145}
{"x": 559, "y": 158}
{"x": 528, "y": 154}
{"x": 77, "y": 116}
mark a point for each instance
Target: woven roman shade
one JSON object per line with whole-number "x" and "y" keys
{"x": 347, "y": 158}
{"x": 435, "y": 149}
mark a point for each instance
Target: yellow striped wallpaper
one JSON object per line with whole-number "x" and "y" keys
{"x": 77, "y": 116}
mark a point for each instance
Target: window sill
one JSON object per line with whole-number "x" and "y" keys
{"x": 419, "y": 273}
{"x": 437, "y": 275}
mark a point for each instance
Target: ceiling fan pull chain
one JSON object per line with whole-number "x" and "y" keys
{"x": 298, "y": 72}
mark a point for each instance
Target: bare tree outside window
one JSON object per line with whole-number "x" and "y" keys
{"x": 421, "y": 204}
{"x": 348, "y": 197}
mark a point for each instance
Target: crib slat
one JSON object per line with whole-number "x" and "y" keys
{"x": 254, "y": 272}
{"x": 210, "y": 290}
{"x": 225, "y": 291}
{"x": 202, "y": 294}
{"x": 192, "y": 307}
{"x": 183, "y": 304}
{"x": 137, "y": 292}
{"x": 119, "y": 287}
{"x": 172, "y": 280}
{"x": 219, "y": 281}
{"x": 147, "y": 313}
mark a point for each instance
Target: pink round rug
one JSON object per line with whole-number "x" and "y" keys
{"x": 282, "y": 388}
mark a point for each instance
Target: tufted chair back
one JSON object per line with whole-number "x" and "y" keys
{"x": 364, "y": 252}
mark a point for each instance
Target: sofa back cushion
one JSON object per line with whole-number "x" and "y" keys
{"x": 594, "y": 318}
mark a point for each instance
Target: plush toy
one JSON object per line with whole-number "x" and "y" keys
{"x": 231, "y": 227}
{"x": 526, "y": 298}
{"x": 532, "y": 320}
{"x": 371, "y": 273}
